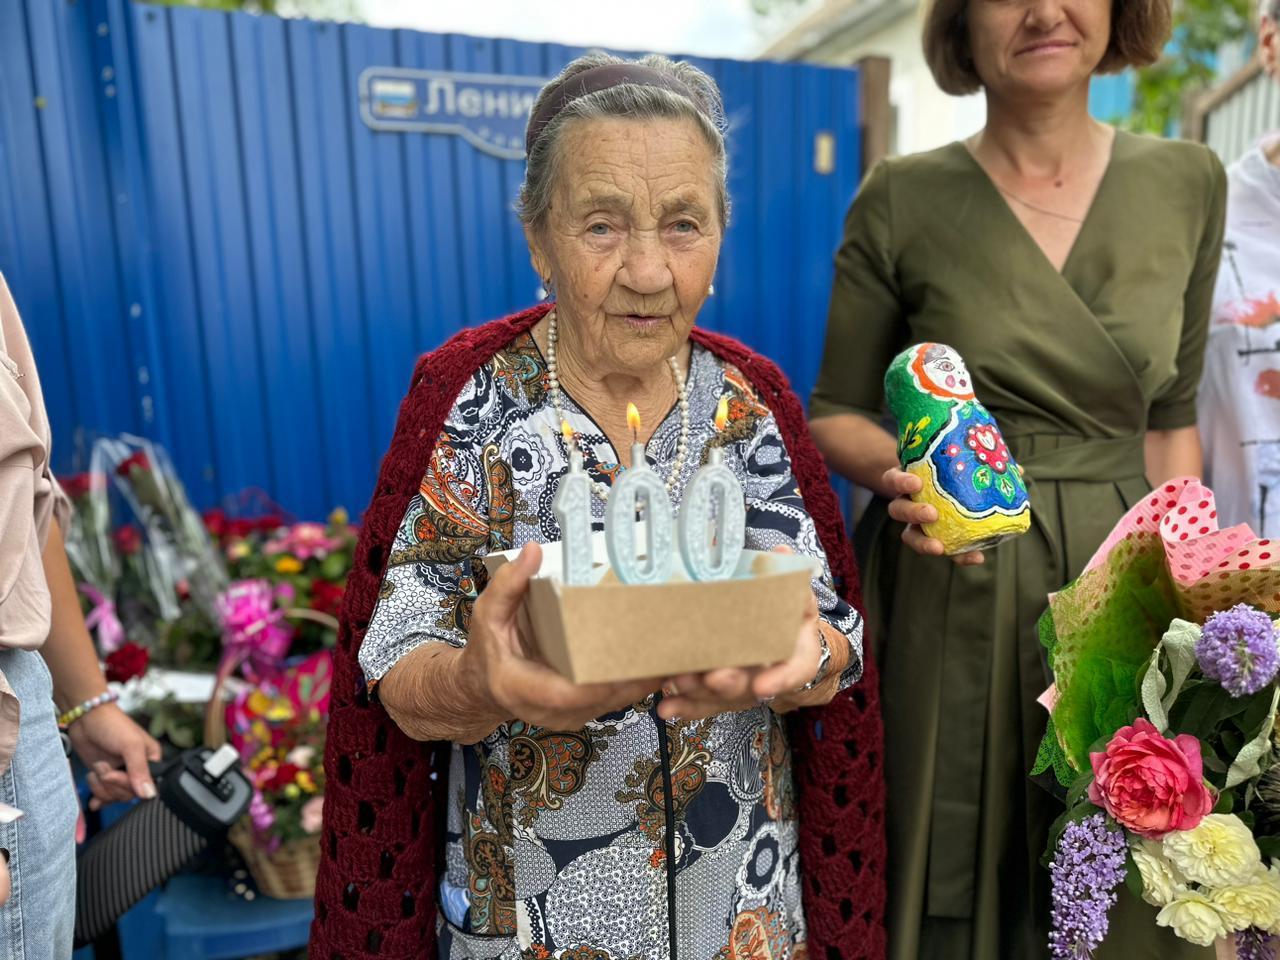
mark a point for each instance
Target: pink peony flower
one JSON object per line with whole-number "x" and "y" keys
{"x": 1150, "y": 784}
{"x": 313, "y": 814}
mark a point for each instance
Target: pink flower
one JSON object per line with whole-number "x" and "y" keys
{"x": 1150, "y": 784}
{"x": 260, "y": 813}
{"x": 313, "y": 814}
{"x": 304, "y": 541}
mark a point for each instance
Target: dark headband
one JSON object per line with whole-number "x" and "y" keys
{"x": 592, "y": 81}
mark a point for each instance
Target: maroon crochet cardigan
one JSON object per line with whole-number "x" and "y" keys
{"x": 384, "y": 799}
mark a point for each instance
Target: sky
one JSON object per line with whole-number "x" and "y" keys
{"x": 709, "y": 28}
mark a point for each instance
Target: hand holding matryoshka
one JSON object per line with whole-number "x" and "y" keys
{"x": 952, "y": 443}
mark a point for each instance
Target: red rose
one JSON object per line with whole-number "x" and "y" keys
{"x": 127, "y": 662}
{"x": 215, "y": 521}
{"x": 1150, "y": 784}
{"x": 137, "y": 460}
{"x": 326, "y": 597}
{"x": 128, "y": 540}
{"x": 285, "y": 774}
{"x": 80, "y": 484}
{"x": 268, "y": 523}
{"x": 239, "y": 528}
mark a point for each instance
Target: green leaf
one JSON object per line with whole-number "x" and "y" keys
{"x": 1079, "y": 790}
{"x": 1132, "y": 876}
{"x": 982, "y": 478}
{"x": 1200, "y": 29}
{"x": 1247, "y": 763}
{"x": 334, "y": 567}
{"x": 1226, "y": 802}
{"x": 1211, "y": 759}
{"x": 1270, "y": 846}
{"x": 1200, "y": 710}
{"x": 1177, "y": 648}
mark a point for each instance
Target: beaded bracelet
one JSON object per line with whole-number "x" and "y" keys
{"x": 75, "y": 713}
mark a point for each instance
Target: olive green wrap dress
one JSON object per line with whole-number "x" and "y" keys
{"x": 1076, "y": 367}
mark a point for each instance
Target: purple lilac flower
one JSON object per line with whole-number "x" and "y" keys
{"x": 1087, "y": 868}
{"x": 1253, "y": 944}
{"x": 1237, "y": 647}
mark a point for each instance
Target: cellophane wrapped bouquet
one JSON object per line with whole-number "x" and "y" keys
{"x": 145, "y": 566}
{"x": 1163, "y": 730}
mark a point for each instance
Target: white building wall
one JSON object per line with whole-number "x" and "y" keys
{"x": 926, "y": 117}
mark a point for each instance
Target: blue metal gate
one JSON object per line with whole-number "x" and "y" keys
{"x": 211, "y": 245}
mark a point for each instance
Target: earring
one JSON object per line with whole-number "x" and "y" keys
{"x": 547, "y": 291}
{"x": 711, "y": 290}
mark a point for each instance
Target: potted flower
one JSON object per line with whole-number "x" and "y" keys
{"x": 279, "y": 730}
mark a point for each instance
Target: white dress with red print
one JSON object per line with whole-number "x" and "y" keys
{"x": 1239, "y": 404}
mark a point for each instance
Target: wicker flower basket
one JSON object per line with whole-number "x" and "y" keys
{"x": 288, "y": 873}
{"x": 1225, "y": 948}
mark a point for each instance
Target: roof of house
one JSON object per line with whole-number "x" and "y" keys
{"x": 850, "y": 21}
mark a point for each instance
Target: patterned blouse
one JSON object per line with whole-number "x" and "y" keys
{"x": 633, "y": 838}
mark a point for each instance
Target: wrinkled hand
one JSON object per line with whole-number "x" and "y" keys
{"x": 115, "y": 750}
{"x": 695, "y": 696}
{"x": 498, "y": 663}
{"x": 905, "y": 510}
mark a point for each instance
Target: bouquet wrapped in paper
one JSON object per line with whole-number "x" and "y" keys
{"x": 1165, "y": 656}
{"x": 183, "y": 560}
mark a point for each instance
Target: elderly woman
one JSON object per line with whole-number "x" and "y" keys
{"x": 647, "y": 819}
{"x": 1072, "y": 266}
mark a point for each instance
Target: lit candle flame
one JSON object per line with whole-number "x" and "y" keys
{"x": 567, "y": 432}
{"x": 722, "y": 412}
{"x": 633, "y": 419}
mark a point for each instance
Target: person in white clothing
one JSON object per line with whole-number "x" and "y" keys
{"x": 1239, "y": 406}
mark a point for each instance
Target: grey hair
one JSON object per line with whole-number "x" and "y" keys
{"x": 629, "y": 101}
{"x": 1270, "y": 9}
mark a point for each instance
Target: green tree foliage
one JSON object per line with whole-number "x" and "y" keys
{"x": 1200, "y": 29}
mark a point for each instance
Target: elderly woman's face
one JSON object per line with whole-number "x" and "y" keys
{"x": 1036, "y": 48}
{"x": 631, "y": 239}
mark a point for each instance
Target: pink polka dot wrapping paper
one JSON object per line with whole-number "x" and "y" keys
{"x": 1211, "y": 568}
{"x": 1166, "y": 559}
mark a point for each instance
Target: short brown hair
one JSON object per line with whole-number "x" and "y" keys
{"x": 1139, "y": 30}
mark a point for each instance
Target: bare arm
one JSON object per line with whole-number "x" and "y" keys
{"x": 858, "y": 449}
{"x": 439, "y": 692}
{"x": 1173, "y": 453}
{"x": 431, "y": 695}
{"x": 863, "y": 451}
{"x": 105, "y": 738}
{"x": 69, "y": 651}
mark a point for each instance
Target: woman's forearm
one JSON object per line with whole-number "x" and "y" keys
{"x": 69, "y": 651}
{"x": 432, "y": 694}
{"x": 1173, "y": 453}
{"x": 856, "y": 448}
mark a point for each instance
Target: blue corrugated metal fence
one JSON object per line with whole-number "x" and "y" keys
{"x": 211, "y": 247}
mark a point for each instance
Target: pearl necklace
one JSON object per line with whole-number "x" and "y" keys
{"x": 682, "y": 394}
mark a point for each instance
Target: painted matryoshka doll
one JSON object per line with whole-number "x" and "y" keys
{"x": 949, "y": 440}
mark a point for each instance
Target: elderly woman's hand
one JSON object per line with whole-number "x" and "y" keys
{"x": 520, "y": 687}
{"x": 905, "y": 510}
{"x": 695, "y": 696}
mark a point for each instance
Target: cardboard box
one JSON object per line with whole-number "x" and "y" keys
{"x": 612, "y": 631}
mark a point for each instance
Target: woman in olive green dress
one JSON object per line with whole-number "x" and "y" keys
{"x": 1072, "y": 267}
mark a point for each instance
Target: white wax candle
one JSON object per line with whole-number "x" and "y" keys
{"x": 711, "y": 542}
{"x": 572, "y": 509}
{"x": 636, "y": 487}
